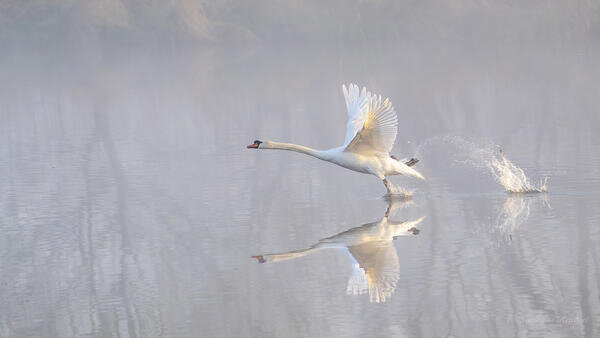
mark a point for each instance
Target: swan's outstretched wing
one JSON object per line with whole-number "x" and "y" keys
{"x": 372, "y": 123}
{"x": 356, "y": 104}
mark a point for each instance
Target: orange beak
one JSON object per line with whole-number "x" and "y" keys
{"x": 253, "y": 145}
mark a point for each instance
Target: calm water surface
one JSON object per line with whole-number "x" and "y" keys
{"x": 130, "y": 206}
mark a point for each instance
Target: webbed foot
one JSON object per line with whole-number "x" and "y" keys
{"x": 412, "y": 162}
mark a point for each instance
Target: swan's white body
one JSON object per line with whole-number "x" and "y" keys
{"x": 370, "y": 135}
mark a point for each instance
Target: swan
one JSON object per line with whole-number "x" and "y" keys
{"x": 370, "y": 135}
{"x": 375, "y": 263}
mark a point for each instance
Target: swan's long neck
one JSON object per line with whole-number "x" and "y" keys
{"x": 295, "y": 147}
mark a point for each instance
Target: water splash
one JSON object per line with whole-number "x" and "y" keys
{"x": 396, "y": 191}
{"x": 492, "y": 158}
{"x": 512, "y": 177}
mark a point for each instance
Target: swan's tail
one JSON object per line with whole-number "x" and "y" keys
{"x": 406, "y": 168}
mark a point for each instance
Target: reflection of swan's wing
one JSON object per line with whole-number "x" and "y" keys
{"x": 372, "y": 123}
{"x": 379, "y": 261}
{"x": 357, "y": 284}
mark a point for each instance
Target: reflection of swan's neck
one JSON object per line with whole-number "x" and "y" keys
{"x": 272, "y": 258}
{"x": 295, "y": 147}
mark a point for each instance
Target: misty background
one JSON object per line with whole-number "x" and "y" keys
{"x": 131, "y": 207}
{"x": 228, "y": 22}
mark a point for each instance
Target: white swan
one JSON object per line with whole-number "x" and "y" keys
{"x": 370, "y": 135}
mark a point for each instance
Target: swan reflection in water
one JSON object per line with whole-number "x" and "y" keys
{"x": 375, "y": 264}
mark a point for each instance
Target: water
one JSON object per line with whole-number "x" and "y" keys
{"x": 507, "y": 174}
{"x": 131, "y": 207}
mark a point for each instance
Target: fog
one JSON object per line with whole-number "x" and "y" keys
{"x": 468, "y": 22}
{"x": 131, "y": 207}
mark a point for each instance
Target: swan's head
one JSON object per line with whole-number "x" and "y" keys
{"x": 254, "y": 145}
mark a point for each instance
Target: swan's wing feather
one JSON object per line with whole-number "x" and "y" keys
{"x": 377, "y": 120}
{"x": 356, "y": 104}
